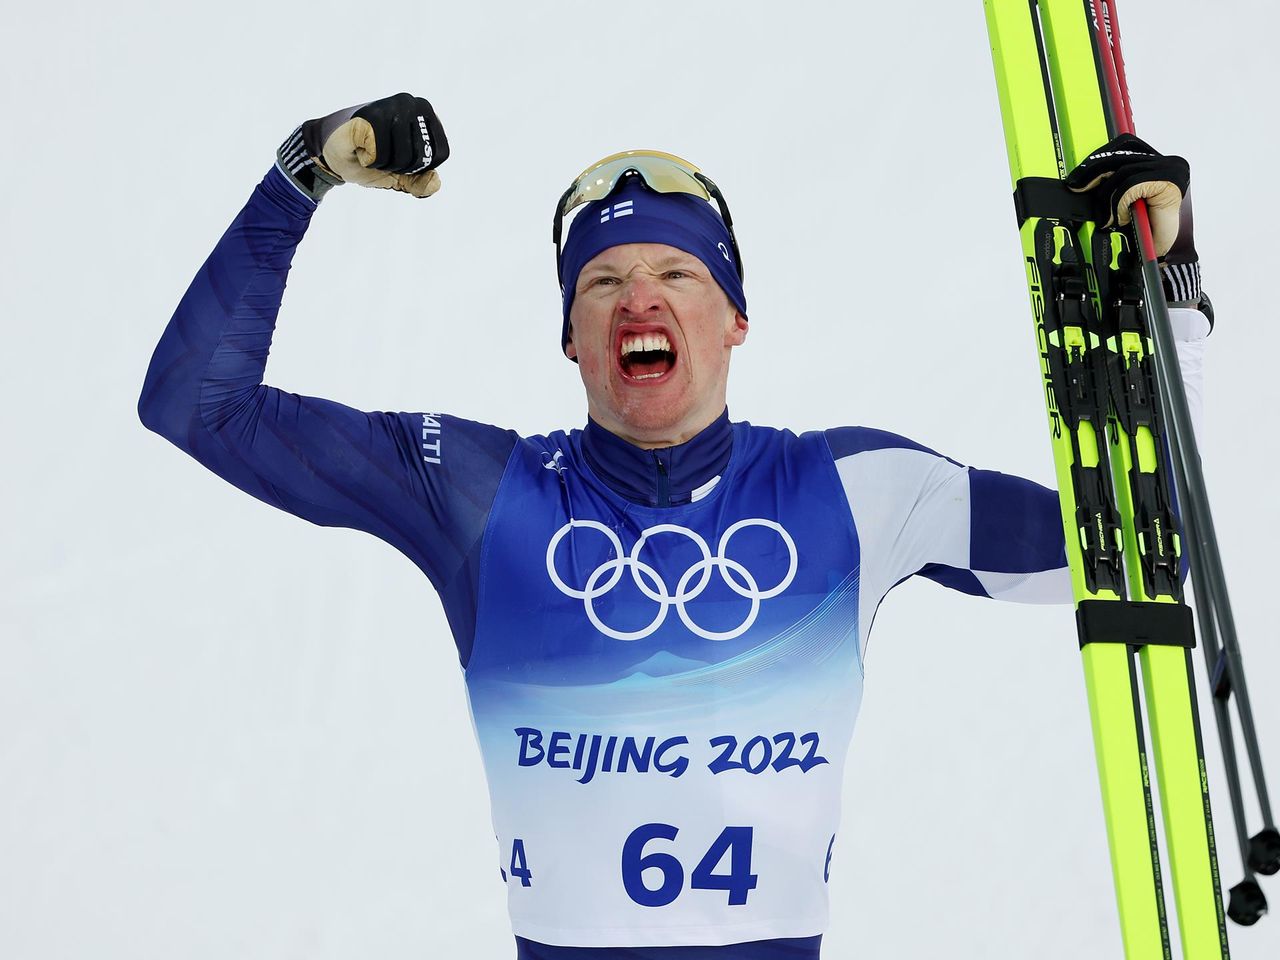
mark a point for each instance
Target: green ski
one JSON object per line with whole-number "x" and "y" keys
{"x": 1098, "y": 365}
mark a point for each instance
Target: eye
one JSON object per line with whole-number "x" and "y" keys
{"x": 603, "y": 281}
{"x": 676, "y": 274}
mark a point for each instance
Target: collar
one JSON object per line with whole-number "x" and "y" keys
{"x": 666, "y": 476}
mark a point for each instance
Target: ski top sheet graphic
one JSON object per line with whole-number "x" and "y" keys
{"x": 1092, "y": 309}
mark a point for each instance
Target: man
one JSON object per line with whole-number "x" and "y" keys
{"x": 661, "y": 616}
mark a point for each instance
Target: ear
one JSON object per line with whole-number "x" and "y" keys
{"x": 736, "y": 330}
{"x": 570, "y": 350}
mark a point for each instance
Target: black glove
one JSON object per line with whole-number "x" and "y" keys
{"x": 1127, "y": 169}
{"x": 394, "y": 143}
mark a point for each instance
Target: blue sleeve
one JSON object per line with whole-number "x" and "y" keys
{"x": 422, "y": 482}
{"x": 1015, "y": 531}
{"x": 1016, "y": 524}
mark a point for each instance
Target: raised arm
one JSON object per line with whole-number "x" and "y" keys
{"x": 422, "y": 482}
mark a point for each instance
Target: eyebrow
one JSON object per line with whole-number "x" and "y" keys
{"x": 678, "y": 259}
{"x": 666, "y": 263}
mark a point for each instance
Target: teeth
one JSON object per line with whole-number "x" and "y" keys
{"x": 645, "y": 342}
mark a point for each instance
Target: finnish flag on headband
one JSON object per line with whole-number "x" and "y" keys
{"x": 621, "y": 209}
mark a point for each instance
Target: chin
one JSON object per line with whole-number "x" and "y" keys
{"x": 642, "y": 416}
{"x": 649, "y": 420}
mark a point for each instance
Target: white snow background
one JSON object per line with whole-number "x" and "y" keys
{"x": 225, "y": 732}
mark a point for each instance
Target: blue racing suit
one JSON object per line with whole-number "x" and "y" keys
{"x": 663, "y": 649}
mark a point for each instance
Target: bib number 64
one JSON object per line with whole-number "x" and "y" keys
{"x": 733, "y": 842}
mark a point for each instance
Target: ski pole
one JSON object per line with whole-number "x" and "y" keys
{"x": 1226, "y": 669}
{"x": 1265, "y": 852}
{"x": 1227, "y": 673}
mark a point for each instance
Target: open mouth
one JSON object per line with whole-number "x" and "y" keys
{"x": 646, "y": 356}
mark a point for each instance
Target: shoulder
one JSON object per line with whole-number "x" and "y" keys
{"x": 460, "y": 445}
{"x": 879, "y": 466}
{"x": 755, "y": 443}
{"x": 847, "y": 442}
{"x": 554, "y": 450}
{"x": 843, "y": 445}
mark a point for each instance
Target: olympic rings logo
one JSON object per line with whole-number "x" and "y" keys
{"x": 690, "y": 585}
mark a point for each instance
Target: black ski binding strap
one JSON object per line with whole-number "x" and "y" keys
{"x": 1048, "y": 197}
{"x": 1135, "y": 623}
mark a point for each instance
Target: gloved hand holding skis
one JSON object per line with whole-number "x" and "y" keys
{"x": 1128, "y": 169}
{"x": 394, "y": 144}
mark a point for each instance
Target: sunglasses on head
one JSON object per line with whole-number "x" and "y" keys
{"x": 662, "y": 172}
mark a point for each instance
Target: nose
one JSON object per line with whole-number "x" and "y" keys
{"x": 640, "y": 295}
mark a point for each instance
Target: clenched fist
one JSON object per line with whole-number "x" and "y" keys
{"x": 394, "y": 143}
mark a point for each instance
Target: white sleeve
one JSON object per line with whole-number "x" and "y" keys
{"x": 981, "y": 532}
{"x": 1190, "y": 329}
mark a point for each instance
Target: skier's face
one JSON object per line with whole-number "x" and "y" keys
{"x": 652, "y": 332}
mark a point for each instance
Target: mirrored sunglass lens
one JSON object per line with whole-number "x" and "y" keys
{"x": 661, "y": 174}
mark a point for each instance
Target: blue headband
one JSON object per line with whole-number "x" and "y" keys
{"x": 635, "y": 214}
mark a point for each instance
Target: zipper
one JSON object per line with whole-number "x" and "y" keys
{"x": 664, "y": 483}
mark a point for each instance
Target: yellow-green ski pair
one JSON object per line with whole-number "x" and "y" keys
{"x": 1097, "y": 366}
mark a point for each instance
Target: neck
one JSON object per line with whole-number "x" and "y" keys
{"x": 673, "y": 435}
{"x": 656, "y": 474}
{"x": 659, "y": 441}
